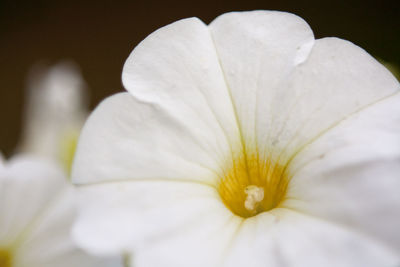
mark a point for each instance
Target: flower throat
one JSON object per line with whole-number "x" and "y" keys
{"x": 5, "y": 258}
{"x": 252, "y": 185}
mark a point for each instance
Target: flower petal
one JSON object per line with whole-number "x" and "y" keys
{"x": 282, "y": 102}
{"x": 37, "y": 211}
{"x": 38, "y": 182}
{"x": 176, "y": 68}
{"x": 128, "y": 139}
{"x": 199, "y": 244}
{"x": 50, "y": 242}
{"x": 338, "y": 80}
{"x": 258, "y": 50}
{"x": 143, "y": 213}
{"x": 292, "y": 239}
{"x": 351, "y": 174}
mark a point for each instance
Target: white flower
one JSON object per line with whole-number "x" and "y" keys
{"x": 56, "y": 108}
{"x": 36, "y": 214}
{"x": 244, "y": 143}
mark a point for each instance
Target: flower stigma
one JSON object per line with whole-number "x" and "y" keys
{"x": 253, "y": 185}
{"x": 5, "y": 258}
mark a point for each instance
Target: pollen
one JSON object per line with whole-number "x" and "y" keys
{"x": 5, "y": 258}
{"x": 252, "y": 184}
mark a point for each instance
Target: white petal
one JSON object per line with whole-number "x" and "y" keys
{"x": 36, "y": 214}
{"x": 258, "y": 50}
{"x": 337, "y": 80}
{"x": 294, "y": 240}
{"x": 283, "y": 102}
{"x": 127, "y": 139}
{"x": 27, "y": 186}
{"x": 135, "y": 215}
{"x": 351, "y": 174}
{"x": 204, "y": 242}
{"x": 49, "y": 242}
{"x": 176, "y": 68}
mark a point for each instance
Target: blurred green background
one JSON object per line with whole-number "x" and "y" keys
{"x": 99, "y": 35}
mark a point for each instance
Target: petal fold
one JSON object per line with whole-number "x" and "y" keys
{"x": 351, "y": 174}
{"x": 258, "y": 50}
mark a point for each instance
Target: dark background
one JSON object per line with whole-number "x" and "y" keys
{"x": 99, "y": 35}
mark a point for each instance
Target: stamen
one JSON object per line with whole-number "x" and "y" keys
{"x": 255, "y": 195}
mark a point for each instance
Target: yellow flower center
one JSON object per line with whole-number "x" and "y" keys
{"x": 68, "y": 146}
{"x": 5, "y": 258}
{"x": 252, "y": 185}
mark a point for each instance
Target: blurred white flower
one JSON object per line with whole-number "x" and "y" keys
{"x": 36, "y": 213}
{"x": 56, "y": 108}
{"x": 244, "y": 143}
